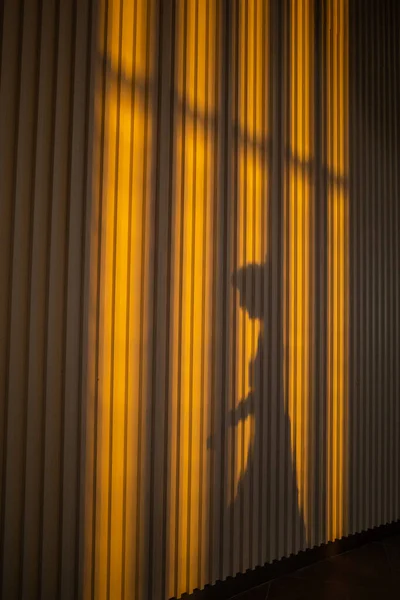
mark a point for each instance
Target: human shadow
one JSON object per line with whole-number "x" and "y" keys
{"x": 246, "y": 280}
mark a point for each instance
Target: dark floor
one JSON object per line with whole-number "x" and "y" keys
{"x": 371, "y": 571}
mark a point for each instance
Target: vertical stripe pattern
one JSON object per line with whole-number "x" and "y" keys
{"x": 200, "y": 288}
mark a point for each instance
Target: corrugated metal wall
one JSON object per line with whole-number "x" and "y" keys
{"x": 199, "y": 270}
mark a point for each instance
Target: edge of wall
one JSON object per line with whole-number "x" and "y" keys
{"x": 242, "y": 582}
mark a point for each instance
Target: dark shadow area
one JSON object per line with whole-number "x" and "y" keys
{"x": 370, "y": 572}
{"x": 374, "y": 382}
{"x": 246, "y": 280}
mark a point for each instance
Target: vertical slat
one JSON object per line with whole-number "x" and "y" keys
{"x": 93, "y": 242}
{"x": 360, "y": 257}
{"x": 391, "y": 320}
{"x": 84, "y": 522}
{"x": 174, "y": 341}
{"x": 69, "y": 579}
{"x": 274, "y": 299}
{"x": 199, "y": 313}
{"x": 321, "y": 232}
{"x": 299, "y": 279}
{"x": 317, "y": 268}
{"x": 55, "y": 359}
{"x": 379, "y": 200}
{"x": 214, "y": 461}
{"x": 75, "y": 205}
{"x": 311, "y": 362}
{"x": 167, "y": 578}
{"x": 10, "y": 91}
{"x": 239, "y": 258}
{"x": 268, "y": 295}
{"x": 396, "y": 329}
{"x": 224, "y": 307}
{"x": 353, "y": 414}
{"x": 1, "y": 30}
{"x": 133, "y": 102}
{"x": 337, "y": 199}
{"x": 38, "y": 294}
{"x": 162, "y": 227}
{"x": 230, "y": 265}
{"x": 376, "y": 288}
{"x": 365, "y": 258}
{"x": 384, "y": 208}
{"x": 14, "y": 464}
{"x": 265, "y": 285}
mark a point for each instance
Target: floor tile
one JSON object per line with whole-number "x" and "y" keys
{"x": 394, "y": 540}
{"x": 371, "y": 572}
{"x": 290, "y": 588}
{"x": 258, "y": 593}
{"x": 368, "y": 565}
{"x": 393, "y": 554}
{"x": 367, "y": 593}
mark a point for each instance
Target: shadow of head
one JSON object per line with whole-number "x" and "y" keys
{"x": 249, "y": 281}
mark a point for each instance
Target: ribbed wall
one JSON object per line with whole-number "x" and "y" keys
{"x": 44, "y": 186}
{"x": 199, "y": 270}
{"x": 374, "y": 264}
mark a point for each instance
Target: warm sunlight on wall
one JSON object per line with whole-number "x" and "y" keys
{"x": 252, "y": 188}
{"x": 123, "y": 189}
{"x": 299, "y": 280}
{"x": 192, "y": 275}
{"x": 338, "y": 284}
{"x": 298, "y": 223}
{"x": 122, "y": 199}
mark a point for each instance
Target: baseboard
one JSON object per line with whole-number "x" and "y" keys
{"x": 242, "y": 582}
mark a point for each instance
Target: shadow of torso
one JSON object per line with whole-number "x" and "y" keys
{"x": 268, "y": 485}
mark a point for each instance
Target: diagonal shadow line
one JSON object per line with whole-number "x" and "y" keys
{"x": 263, "y": 143}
